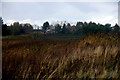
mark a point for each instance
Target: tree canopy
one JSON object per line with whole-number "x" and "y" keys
{"x": 80, "y": 28}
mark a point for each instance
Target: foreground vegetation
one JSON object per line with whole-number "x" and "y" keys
{"x": 95, "y": 56}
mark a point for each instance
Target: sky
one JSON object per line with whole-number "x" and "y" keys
{"x": 72, "y": 12}
{"x": 59, "y": 0}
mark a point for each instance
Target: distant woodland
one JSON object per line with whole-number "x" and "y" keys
{"x": 80, "y": 28}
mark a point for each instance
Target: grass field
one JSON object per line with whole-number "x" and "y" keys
{"x": 95, "y": 56}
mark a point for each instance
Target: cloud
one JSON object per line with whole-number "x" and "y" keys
{"x": 36, "y": 22}
{"x": 9, "y": 22}
{"x": 38, "y": 13}
{"x": 104, "y": 20}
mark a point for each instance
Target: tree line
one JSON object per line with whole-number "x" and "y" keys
{"x": 16, "y": 28}
{"x": 81, "y": 28}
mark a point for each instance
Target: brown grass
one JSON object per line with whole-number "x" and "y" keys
{"x": 93, "y": 57}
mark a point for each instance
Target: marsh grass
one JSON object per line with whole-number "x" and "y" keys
{"x": 94, "y": 56}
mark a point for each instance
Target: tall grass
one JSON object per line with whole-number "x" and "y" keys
{"x": 95, "y": 56}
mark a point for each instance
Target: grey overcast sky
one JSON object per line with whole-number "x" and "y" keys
{"x": 39, "y": 12}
